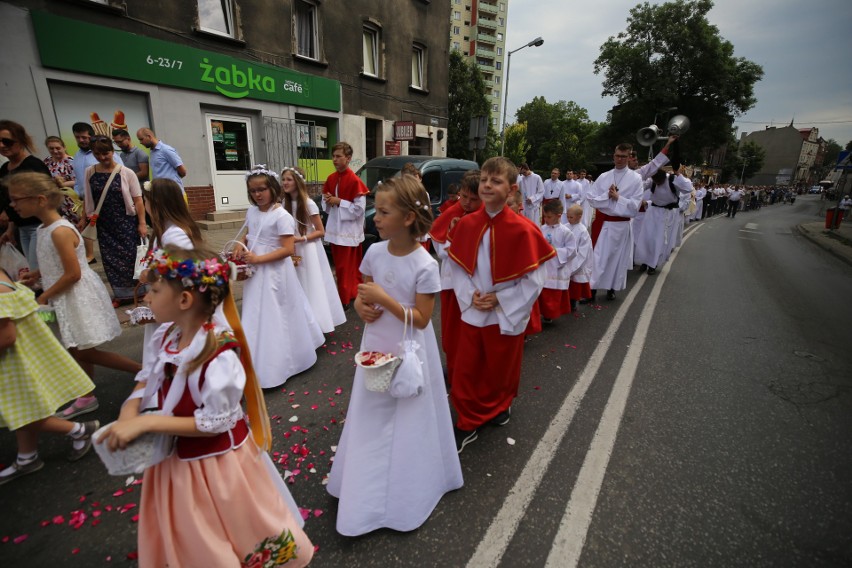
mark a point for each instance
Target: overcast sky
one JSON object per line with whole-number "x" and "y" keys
{"x": 804, "y": 48}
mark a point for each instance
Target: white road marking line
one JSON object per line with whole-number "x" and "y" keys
{"x": 752, "y": 226}
{"x": 504, "y": 525}
{"x": 748, "y": 239}
{"x": 571, "y": 537}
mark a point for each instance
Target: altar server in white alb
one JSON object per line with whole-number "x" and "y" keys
{"x": 532, "y": 190}
{"x": 617, "y": 196}
{"x": 657, "y": 239}
{"x": 572, "y": 192}
{"x": 588, "y": 210}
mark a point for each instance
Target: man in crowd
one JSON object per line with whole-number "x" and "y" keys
{"x": 165, "y": 161}
{"x": 132, "y": 156}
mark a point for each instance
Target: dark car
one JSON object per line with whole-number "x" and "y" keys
{"x": 438, "y": 173}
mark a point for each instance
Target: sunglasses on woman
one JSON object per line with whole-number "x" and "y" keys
{"x": 8, "y": 142}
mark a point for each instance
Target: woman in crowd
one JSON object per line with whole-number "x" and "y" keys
{"x": 121, "y": 220}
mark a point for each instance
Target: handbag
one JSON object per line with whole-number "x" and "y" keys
{"x": 143, "y": 452}
{"x": 141, "y": 254}
{"x": 90, "y": 231}
{"x": 408, "y": 381}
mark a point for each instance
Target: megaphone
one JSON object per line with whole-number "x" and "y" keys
{"x": 678, "y": 125}
{"x": 648, "y": 135}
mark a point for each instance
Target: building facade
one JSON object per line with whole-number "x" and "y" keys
{"x": 478, "y": 31}
{"x": 231, "y": 83}
{"x": 791, "y": 155}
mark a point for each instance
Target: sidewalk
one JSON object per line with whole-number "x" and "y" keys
{"x": 838, "y": 242}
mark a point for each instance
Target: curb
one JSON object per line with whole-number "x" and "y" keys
{"x": 837, "y": 246}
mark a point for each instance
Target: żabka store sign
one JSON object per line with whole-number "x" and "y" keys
{"x": 154, "y": 61}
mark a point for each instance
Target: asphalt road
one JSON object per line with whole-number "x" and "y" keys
{"x": 701, "y": 419}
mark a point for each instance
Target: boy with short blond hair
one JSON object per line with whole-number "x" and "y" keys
{"x": 497, "y": 269}
{"x": 344, "y": 199}
{"x": 555, "y": 300}
{"x": 583, "y": 261}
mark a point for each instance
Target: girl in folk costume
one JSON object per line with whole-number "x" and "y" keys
{"x": 172, "y": 225}
{"x": 36, "y": 377}
{"x": 214, "y": 500}
{"x": 280, "y": 327}
{"x": 396, "y": 457}
{"x": 581, "y": 264}
{"x": 554, "y": 300}
{"x": 84, "y": 313}
{"x": 313, "y": 270}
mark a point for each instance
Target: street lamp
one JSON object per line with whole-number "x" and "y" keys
{"x": 742, "y": 173}
{"x": 534, "y": 43}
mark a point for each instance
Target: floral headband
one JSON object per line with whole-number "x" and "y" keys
{"x": 261, "y": 170}
{"x": 191, "y": 272}
{"x": 294, "y": 171}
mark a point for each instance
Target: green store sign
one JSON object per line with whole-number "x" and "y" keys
{"x": 73, "y": 45}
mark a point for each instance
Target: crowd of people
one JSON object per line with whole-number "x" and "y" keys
{"x": 513, "y": 254}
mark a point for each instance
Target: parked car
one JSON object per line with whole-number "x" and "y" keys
{"x": 815, "y": 189}
{"x": 438, "y": 173}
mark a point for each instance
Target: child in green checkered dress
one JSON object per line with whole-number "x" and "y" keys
{"x": 37, "y": 376}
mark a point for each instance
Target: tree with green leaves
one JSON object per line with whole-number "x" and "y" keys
{"x": 558, "y": 134}
{"x": 742, "y": 164}
{"x": 517, "y": 146}
{"x": 467, "y": 100}
{"x": 670, "y": 55}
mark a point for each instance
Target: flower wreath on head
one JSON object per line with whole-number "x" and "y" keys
{"x": 294, "y": 171}
{"x": 261, "y": 170}
{"x": 191, "y": 272}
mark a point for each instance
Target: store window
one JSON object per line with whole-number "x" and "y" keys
{"x": 418, "y": 66}
{"x": 371, "y": 43}
{"x": 231, "y": 144}
{"x": 307, "y": 35}
{"x": 216, "y": 16}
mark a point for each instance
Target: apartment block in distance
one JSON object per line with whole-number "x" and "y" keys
{"x": 478, "y": 31}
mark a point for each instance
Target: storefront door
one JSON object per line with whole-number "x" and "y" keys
{"x": 230, "y": 144}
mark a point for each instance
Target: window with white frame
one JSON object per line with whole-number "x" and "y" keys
{"x": 307, "y": 35}
{"x": 456, "y": 30}
{"x": 497, "y": 79}
{"x": 216, "y": 16}
{"x": 371, "y": 43}
{"x": 502, "y": 6}
{"x": 499, "y": 37}
{"x": 499, "y": 51}
{"x": 456, "y": 45}
{"x": 498, "y": 66}
{"x": 457, "y": 15}
{"x": 418, "y": 66}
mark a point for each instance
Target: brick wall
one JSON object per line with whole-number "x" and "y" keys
{"x": 201, "y": 201}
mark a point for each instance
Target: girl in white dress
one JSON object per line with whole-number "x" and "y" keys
{"x": 84, "y": 311}
{"x": 397, "y": 456}
{"x": 280, "y": 327}
{"x": 313, "y": 271}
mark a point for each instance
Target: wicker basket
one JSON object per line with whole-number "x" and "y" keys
{"x": 140, "y": 315}
{"x": 378, "y": 377}
{"x": 242, "y": 269}
{"x": 146, "y": 450}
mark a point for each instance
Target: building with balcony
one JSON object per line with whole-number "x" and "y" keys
{"x": 478, "y": 31}
{"x": 231, "y": 83}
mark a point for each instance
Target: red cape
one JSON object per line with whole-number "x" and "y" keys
{"x": 349, "y": 188}
{"x": 441, "y": 225}
{"x": 517, "y": 245}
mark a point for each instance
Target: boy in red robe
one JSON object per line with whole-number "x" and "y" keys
{"x": 497, "y": 271}
{"x": 468, "y": 201}
{"x": 344, "y": 199}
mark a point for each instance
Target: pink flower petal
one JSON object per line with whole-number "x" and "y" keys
{"x": 45, "y": 523}
{"x": 135, "y": 518}
{"x": 317, "y": 512}
{"x": 118, "y": 493}
{"x": 132, "y": 555}
{"x": 4, "y": 540}
{"x": 305, "y": 513}
{"x": 82, "y": 498}
{"x": 96, "y": 522}
{"x": 20, "y": 539}
{"x": 96, "y": 514}
{"x": 339, "y": 390}
{"x": 332, "y": 352}
{"x": 127, "y": 507}
{"x": 75, "y": 551}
